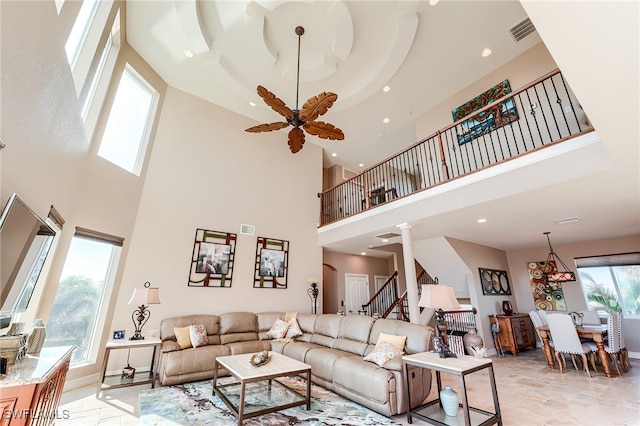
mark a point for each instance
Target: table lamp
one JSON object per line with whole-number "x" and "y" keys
{"x": 439, "y": 297}
{"x": 142, "y": 297}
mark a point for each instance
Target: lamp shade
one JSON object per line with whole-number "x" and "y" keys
{"x": 438, "y": 296}
{"x": 145, "y": 296}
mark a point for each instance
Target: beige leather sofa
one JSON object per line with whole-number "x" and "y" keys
{"x": 334, "y": 346}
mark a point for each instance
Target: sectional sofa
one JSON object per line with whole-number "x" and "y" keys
{"x": 333, "y": 345}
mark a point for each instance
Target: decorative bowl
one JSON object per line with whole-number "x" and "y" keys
{"x": 260, "y": 359}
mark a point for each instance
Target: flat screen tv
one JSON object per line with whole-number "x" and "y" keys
{"x": 25, "y": 241}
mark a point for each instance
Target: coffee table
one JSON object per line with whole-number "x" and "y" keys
{"x": 256, "y": 393}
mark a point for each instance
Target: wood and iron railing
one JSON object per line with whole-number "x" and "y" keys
{"x": 384, "y": 300}
{"x": 541, "y": 114}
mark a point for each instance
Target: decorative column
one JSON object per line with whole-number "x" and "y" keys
{"x": 411, "y": 278}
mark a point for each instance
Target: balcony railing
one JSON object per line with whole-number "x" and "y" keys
{"x": 541, "y": 114}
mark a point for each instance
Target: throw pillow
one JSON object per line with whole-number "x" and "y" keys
{"x": 183, "y": 337}
{"x": 198, "y": 335}
{"x": 383, "y": 353}
{"x": 278, "y": 330}
{"x": 294, "y": 329}
{"x": 395, "y": 340}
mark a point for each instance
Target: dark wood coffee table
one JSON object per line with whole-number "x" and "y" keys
{"x": 267, "y": 395}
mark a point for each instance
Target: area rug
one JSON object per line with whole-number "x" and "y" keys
{"x": 193, "y": 404}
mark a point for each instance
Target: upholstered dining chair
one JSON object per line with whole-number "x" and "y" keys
{"x": 614, "y": 343}
{"x": 537, "y": 322}
{"x": 590, "y": 317}
{"x": 566, "y": 341}
{"x": 543, "y": 316}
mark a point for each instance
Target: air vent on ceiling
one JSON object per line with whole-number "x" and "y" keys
{"x": 567, "y": 220}
{"x": 247, "y": 229}
{"x": 388, "y": 235}
{"x": 521, "y": 30}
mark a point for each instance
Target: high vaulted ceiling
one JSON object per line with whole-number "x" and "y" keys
{"x": 425, "y": 54}
{"x": 352, "y": 48}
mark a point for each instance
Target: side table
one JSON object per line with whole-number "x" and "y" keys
{"x": 115, "y": 381}
{"x": 432, "y": 411}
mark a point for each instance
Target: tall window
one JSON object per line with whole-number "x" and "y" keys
{"x": 80, "y": 30}
{"x": 611, "y": 283}
{"x": 80, "y": 305}
{"x": 128, "y": 126}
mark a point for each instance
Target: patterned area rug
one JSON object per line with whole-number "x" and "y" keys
{"x": 193, "y": 404}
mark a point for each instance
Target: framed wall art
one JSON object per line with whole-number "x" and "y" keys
{"x": 272, "y": 263}
{"x": 488, "y": 120}
{"x": 212, "y": 259}
{"x": 547, "y": 296}
{"x": 494, "y": 282}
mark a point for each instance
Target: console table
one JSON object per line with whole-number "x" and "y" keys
{"x": 432, "y": 411}
{"x": 114, "y": 381}
{"x": 516, "y": 332}
{"x": 31, "y": 390}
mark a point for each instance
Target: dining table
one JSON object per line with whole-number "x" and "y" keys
{"x": 595, "y": 332}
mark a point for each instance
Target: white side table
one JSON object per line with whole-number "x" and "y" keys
{"x": 432, "y": 411}
{"x": 115, "y": 381}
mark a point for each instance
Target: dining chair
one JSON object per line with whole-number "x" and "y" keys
{"x": 614, "y": 343}
{"x": 590, "y": 317}
{"x": 537, "y": 322}
{"x": 543, "y": 316}
{"x": 566, "y": 341}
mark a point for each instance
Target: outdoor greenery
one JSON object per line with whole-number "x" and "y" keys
{"x": 624, "y": 297}
{"x": 73, "y": 314}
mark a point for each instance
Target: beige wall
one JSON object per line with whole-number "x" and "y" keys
{"x": 355, "y": 264}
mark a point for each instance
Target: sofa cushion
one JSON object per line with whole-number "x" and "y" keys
{"x": 193, "y": 360}
{"x": 249, "y": 347}
{"x": 363, "y": 378}
{"x": 354, "y": 334}
{"x": 299, "y": 350}
{"x": 182, "y": 336}
{"x": 265, "y": 322}
{"x": 307, "y": 323}
{"x": 238, "y": 327}
{"x": 383, "y": 353}
{"x": 326, "y": 330}
{"x": 198, "y": 335}
{"x": 211, "y": 323}
{"x": 394, "y": 339}
{"x": 278, "y": 329}
{"x": 322, "y": 361}
{"x": 417, "y": 335}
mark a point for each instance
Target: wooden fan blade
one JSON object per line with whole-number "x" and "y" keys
{"x": 323, "y": 130}
{"x": 276, "y": 104}
{"x": 317, "y": 106}
{"x": 267, "y": 127}
{"x": 296, "y": 139}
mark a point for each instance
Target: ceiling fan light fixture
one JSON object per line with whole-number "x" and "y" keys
{"x": 303, "y": 120}
{"x": 386, "y": 89}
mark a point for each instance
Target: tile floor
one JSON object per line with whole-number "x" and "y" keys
{"x": 529, "y": 394}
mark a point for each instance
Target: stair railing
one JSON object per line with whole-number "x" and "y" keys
{"x": 384, "y": 298}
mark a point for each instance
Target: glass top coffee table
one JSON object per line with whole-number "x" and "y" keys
{"x": 256, "y": 393}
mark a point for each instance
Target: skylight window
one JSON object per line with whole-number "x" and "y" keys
{"x": 127, "y": 131}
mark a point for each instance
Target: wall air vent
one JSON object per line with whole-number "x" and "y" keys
{"x": 247, "y": 229}
{"x": 388, "y": 235}
{"x": 521, "y": 30}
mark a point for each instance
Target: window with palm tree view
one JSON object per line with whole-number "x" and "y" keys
{"x": 611, "y": 283}
{"x": 78, "y": 311}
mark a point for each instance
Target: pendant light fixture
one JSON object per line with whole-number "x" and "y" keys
{"x": 558, "y": 275}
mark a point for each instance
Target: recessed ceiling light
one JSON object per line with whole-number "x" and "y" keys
{"x": 482, "y": 220}
{"x": 363, "y": 253}
{"x": 385, "y": 240}
{"x": 386, "y": 88}
{"x": 433, "y": 2}
{"x": 361, "y": 165}
{"x": 333, "y": 154}
{"x": 188, "y": 53}
{"x": 251, "y": 103}
{"x": 385, "y": 120}
{"x": 486, "y": 52}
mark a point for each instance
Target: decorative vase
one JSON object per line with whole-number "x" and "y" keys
{"x": 36, "y": 337}
{"x": 472, "y": 340}
{"x": 507, "y": 308}
{"x": 449, "y": 400}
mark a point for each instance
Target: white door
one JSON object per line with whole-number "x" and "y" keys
{"x": 356, "y": 292}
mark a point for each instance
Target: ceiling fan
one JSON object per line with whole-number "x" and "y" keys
{"x": 300, "y": 119}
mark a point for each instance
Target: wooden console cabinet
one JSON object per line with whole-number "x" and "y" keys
{"x": 30, "y": 392}
{"x": 516, "y": 332}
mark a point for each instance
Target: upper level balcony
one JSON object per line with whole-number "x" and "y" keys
{"x": 511, "y": 125}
